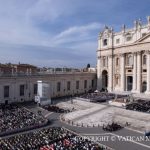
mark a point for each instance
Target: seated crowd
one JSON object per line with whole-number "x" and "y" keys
{"x": 48, "y": 139}
{"x": 56, "y": 109}
{"x": 99, "y": 96}
{"x": 15, "y": 118}
{"x": 139, "y": 105}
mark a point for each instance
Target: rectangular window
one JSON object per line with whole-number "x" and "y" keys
{"x": 92, "y": 83}
{"x": 68, "y": 86}
{"x": 117, "y": 81}
{"x": 128, "y": 38}
{"x": 143, "y": 34}
{"x": 85, "y": 84}
{"x": 77, "y": 84}
{"x": 117, "y": 41}
{"x": 6, "y": 91}
{"x": 58, "y": 86}
{"x": 104, "y": 61}
{"x": 22, "y": 87}
{"x": 35, "y": 89}
{"x": 117, "y": 61}
{"x": 26, "y": 86}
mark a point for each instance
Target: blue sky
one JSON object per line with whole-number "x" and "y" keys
{"x": 57, "y": 33}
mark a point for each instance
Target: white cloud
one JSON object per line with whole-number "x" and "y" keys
{"x": 79, "y": 29}
{"x": 46, "y": 10}
{"x": 20, "y": 20}
{"x": 20, "y": 25}
{"x": 14, "y": 27}
{"x": 77, "y": 33}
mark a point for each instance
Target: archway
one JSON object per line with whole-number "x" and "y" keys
{"x": 104, "y": 79}
{"x": 129, "y": 83}
{"x": 144, "y": 86}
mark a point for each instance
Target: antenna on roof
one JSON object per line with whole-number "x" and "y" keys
{"x": 148, "y": 20}
{"x": 123, "y": 27}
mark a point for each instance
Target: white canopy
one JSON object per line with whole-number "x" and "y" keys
{"x": 96, "y": 91}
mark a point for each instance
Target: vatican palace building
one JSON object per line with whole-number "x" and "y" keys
{"x": 123, "y": 59}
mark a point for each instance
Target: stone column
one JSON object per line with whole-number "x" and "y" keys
{"x": 138, "y": 72}
{"x": 110, "y": 74}
{"x": 122, "y": 71}
{"x": 134, "y": 72}
{"x": 99, "y": 75}
{"x": 148, "y": 72}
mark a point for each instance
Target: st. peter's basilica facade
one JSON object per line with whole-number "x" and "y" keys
{"x": 123, "y": 59}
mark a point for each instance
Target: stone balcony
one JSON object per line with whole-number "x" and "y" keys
{"x": 129, "y": 66}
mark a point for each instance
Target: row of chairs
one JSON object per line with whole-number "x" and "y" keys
{"x": 56, "y": 109}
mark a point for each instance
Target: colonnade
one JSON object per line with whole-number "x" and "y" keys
{"x": 137, "y": 72}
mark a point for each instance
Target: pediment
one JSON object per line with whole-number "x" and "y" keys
{"x": 145, "y": 38}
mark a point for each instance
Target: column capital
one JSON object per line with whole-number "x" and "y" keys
{"x": 122, "y": 54}
{"x": 134, "y": 53}
{"x": 116, "y": 55}
{"x": 139, "y": 53}
{"x": 147, "y": 52}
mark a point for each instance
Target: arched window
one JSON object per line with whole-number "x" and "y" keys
{"x": 105, "y": 42}
{"x": 128, "y": 37}
{"x": 117, "y": 61}
{"x": 129, "y": 60}
{"x": 144, "y": 60}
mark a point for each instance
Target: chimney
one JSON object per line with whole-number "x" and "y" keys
{"x": 139, "y": 23}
